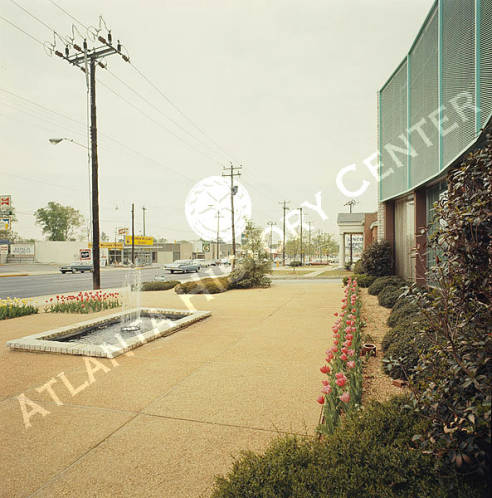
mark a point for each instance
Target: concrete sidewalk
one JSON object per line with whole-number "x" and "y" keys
{"x": 168, "y": 418}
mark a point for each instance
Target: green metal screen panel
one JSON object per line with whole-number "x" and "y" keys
{"x": 458, "y": 75}
{"x": 393, "y": 126}
{"x": 485, "y": 58}
{"x": 423, "y": 100}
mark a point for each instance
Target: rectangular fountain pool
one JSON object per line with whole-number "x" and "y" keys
{"x": 111, "y": 335}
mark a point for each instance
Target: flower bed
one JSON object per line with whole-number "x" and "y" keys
{"x": 342, "y": 389}
{"x": 83, "y": 302}
{"x": 12, "y": 308}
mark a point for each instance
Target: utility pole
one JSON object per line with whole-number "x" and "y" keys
{"x": 270, "y": 246}
{"x": 300, "y": 215}
{"x": 233, "y": 171}
{"x": 309, "y": 243}
{"x": 284, "y": 209}
{"x": 219, "y": 216}
{"x": 133, "y": 234}
{"x": 85, "y": 59}
{"x": 350, "y": 204}
{"x": 143, "y": 212}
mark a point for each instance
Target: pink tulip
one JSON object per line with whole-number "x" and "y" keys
{"x": 343, "y": 357}
{"x": 335, "y": 341}
{"x": 344, "y": 350}
{"x": 334, "y": 349}
{"x": 325, "y": 382}
{"x": 345, "y": 397}
{"x": 341, "y": 381}
{"x": 350, "y": 364}
{"x": 329, "y": 357}
{"x": 351, "y": 352}
{"x": 326, "y": 389}
{"x": 321, "y": 400}
{"x": 339, "y": 375}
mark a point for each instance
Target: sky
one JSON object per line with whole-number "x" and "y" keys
{"x": 287, "y": 89}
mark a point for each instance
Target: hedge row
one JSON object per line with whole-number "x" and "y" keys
{"x": 158, "y": 286}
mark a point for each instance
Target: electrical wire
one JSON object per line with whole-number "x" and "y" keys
{"x": 176, "y": 123}
{"x": 23, "y": 31}
{"x": 68, "y": 14}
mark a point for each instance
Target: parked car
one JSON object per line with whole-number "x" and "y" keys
{"x": 183, "y": 266}
{"x": 199, "y": 262}
{"x": 81, "y": 266}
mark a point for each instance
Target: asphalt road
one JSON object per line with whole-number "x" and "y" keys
{"x": 44, "y": 285}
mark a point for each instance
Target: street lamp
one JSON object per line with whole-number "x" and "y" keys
{"x": 56, "y": 141}
{"x": 94, "y": 208}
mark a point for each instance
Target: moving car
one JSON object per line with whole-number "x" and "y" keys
{"x": 183, "y": 266}
{"x": 76, "y": 266}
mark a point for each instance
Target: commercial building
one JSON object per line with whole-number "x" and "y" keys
{"x": 432, "y": 111}
{"x": 356, "y": 231}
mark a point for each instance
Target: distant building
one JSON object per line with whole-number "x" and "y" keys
{"x": 361, "y": 228}
{"x": 432, "y": 111}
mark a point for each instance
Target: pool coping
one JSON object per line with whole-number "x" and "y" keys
{"x": 41, "y": 342}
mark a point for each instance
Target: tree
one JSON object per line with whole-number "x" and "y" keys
{"x": 58, "y": 221}
{"x": 254, "y": 242}
{"x": 104, "y": 237}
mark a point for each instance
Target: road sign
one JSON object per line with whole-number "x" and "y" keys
{"x": 85, "y": 254}
{"x": 139, "y": 240}
{"x": 4, "y": 249}
{"x": 206, "y": 247}
{"x": 5, "y": 223}
{"x": 5, "y": 203}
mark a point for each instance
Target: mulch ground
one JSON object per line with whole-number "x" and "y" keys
{"x": 377, "y": 385}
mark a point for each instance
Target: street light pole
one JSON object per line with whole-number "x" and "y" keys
{"x": 300, "y": 215}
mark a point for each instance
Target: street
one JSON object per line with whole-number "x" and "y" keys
{"x": 44, "y": 285}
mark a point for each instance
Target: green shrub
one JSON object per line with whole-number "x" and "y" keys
{"x": 158, "y": 286}
{"x": 295, "y": 263}
{"x": 402, "y": 310}
{"x": 251, "y": 273}
{"x": 406, "y": 343}
{"x": 377, "y": 259}
{"x": 370, "y": 454}
{"x": 380, "y": 283}
{"x": 412, "y": 324}
{"x": 203, "y": 286}
{"x": 358, "y": 267}
{"x": 364, "y": 280}
{"x": 389, "y": 295}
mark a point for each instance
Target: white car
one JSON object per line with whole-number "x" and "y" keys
{"x": 183, "y": 266}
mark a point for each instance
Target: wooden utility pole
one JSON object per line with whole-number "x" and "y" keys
{"x": 133, "y": 233}
{"x": 284, "y": 209}
{"x": 96, "y": 260}
{"x": 219, "y": 216}
{"x": 309, "y": 241}
{"x": 85, "y": 59}
{"x": 232, "y": 172}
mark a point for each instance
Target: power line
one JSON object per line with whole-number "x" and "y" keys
{"x": 176, "y": 123}
{"x": 23, "y": 31}
{"x": 32, "y": 15}
{"x": 175, "y": 106}
{"x": 68, "y": 14}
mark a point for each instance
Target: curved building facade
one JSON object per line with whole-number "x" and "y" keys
{"x": 431, "y": 111}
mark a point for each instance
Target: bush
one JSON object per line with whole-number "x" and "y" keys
{"x": 377, "y": 259}
{"x": 405, "y": 343}
{"x": 401, "y": 311}
{"x": 389, "y": 295}
{"x": 364, "y": 280}
{"x": 370, "y": 454}
{"x": 295, "y": 263}
{"x": 380, "y": 283}
{"x": 358, "y": 267}
{"x": 204, "y": 286}
{"x": 251, "y": 273}
{"x": 158, "y": 286}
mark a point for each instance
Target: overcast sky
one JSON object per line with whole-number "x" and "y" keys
{"x": 287, "y": 88}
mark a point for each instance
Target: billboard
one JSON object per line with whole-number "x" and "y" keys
{"x": 109, "y": 245}
{"x": 22, "y": 249}
{"x": 5, "y": 223}
{"x": 5, "y": 203}
{"x": 139, "y": 240}
{"x": 85, "y": 254}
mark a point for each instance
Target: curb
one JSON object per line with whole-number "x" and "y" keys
{"x": 14, "y": 275}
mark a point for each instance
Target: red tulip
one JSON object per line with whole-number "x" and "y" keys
{"x": 320, "y": 400}
{"x": 341, "y": 381}
{"x": 343, "y": 357}
{"x": 325, "y": 369}
{"x": 325, "y": 382}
